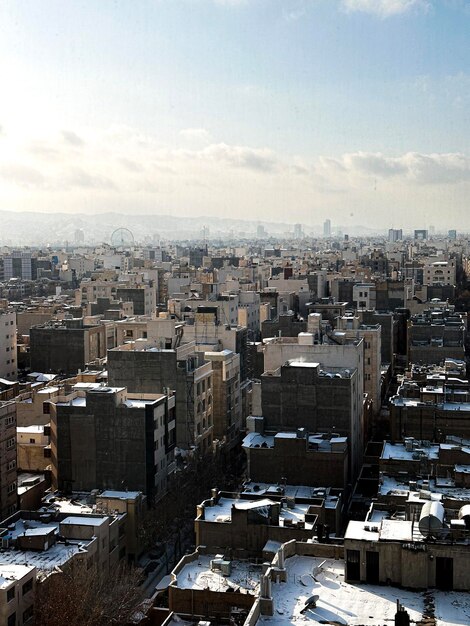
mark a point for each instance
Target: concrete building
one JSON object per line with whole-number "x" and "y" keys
{"x": 129, "y": 288}
{"x": 248, "y": 523}
{"x": 425, "y": 419}
{"x": 431, "y": 552}
{"x": 33, "y": 406}
{"x": 395, "y": 234}
{"x": 17, "y": 589}
{"x": 249, "y": 310}
{"x": 435, "y": 335}
{"x": 143, "y": 368}
{"x": 67, "y": 346}
{"x": 19, "y": 264}
{"x": 107, "y": 438}
{"x": 440, "y": 273}
{"x": 36, "y": 545}
{"x": 226, "y": 396}
{"x": 33, "y": 448}
{"x": 350, "y": 327}
{"x": 388, "y": 333}
{"x": 211, "y": 335}
{"x": 285, "y": 325}
{"x": 318, "y": 398}
{"x": 8, "y": 464}
{"x": 296, "y": 458}
{"x": 364, "y": 296}
{"x": 8, "y": 358}
{"x": 300, "y": 581}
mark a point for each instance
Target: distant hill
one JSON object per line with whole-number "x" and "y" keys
{"x": 29, "y": 228}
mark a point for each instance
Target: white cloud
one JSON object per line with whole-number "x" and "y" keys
{"x": 71, "y": 138}
{"x": 409, "y": 168}
{"x": 21, "y": 175}
{"x": 385, "y": 8}
{"x": 124, "y": 170}
{"x": 196, "y": 134}
{"x": 257, "y": 159}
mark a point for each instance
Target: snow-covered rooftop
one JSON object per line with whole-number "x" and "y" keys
{"x": 12, "y": 572}
{"x": 197, "y": 574}
{"x": 353, "y": 605}
{"x": 222, "y": 511}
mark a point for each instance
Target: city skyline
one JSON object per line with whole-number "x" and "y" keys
{"x": 355, "y": 110}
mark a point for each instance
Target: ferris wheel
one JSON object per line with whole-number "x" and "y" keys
{"x": 122, "y": 238}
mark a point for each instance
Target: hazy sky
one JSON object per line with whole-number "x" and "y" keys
{"x": 291, "y": 110}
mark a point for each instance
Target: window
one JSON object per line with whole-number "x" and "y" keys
{"x": 28, "y": 586}
{"x": 10, "y": 594}
{"x": 11, "y": 487}
{"x": 47, "y": 453}
{"x": 28, "y": 614}
{"x": 11, "y": 620}
{"x": 46, "y": 408}
{"x": 11, "y": 443}
{"x": 32, "y": 440}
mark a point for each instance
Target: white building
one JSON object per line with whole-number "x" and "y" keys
{"x": 439, "y": 273}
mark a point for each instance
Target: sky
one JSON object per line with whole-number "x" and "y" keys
{"x": 281, "y": 110}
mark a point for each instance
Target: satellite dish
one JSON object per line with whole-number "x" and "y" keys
{"x": 310, "y": 603}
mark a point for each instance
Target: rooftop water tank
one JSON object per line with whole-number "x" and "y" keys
{"x": 431, "y": 519}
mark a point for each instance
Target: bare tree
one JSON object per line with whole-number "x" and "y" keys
{"x": 188, "y": 488}
{"x": 79, "y": 596}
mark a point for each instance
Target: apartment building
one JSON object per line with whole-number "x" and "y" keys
{"x": 350, "y": 327}
{"x": 435, "y": 335}
{"x": 107, "y": 438}
{"x": 8, "y": 465}
{"x": 67, "y": 346}
{"x": 17, "y": 591}
{"x": 440, "y": 273}
{"x": 226, "y": 396}
{"x": 8, "y": 357}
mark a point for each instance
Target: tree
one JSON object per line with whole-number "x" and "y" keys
{"x": 79, "y": 596}
{"x": 167, "y": 517}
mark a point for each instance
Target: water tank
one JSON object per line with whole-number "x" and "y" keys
{"x": 431, "y": 519}
{"x": 464, "y": 514}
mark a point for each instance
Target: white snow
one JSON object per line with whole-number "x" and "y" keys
{"x": 353, "y": 605}
{"x": 197, "y": 574}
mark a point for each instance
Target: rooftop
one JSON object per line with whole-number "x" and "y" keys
{"x": 222, "y": 511}
{"x": 198, "y": 574}
{"x": 353, "y": 605}
{"x": 318, "y": 442}
{"x": 10, "y": 573}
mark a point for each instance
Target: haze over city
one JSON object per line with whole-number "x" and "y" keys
{"x": 356, "y": 110}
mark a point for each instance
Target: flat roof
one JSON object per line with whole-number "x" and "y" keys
{"x": 398, "y": 451}
{"x": 257, "y": 440}
{"x": 85, "y": 521}
{"x": 121, "y": 495}
{"x": 197, "y": 574}
{"x": 11, "y": 572}
{"x": 222, "y": 511}
{"x": 353, "y": 604}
